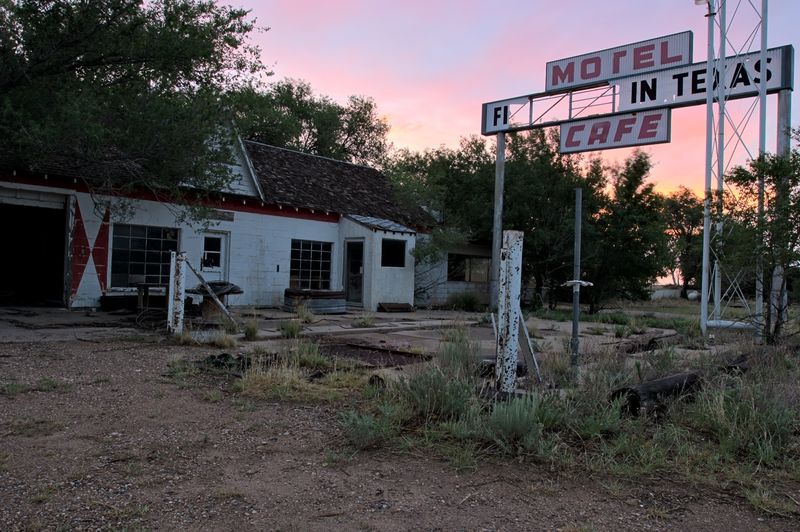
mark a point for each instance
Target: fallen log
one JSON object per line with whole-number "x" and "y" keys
{"x": 646, "y": 342}
{"x": 652, "y": 395}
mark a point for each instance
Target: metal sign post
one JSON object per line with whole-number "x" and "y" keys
{"x": 497, "y": 223}
{"x": 576, "y": 278}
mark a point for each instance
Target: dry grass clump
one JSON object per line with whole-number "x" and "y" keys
{"x": 251, "y": 330}
{"x": 290, "y": 328}
{"x": 300, "y": 373}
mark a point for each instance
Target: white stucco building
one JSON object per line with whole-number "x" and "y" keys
{"x": 290, "y": 220}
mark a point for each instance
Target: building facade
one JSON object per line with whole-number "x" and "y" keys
{"x": 289, "y": 220}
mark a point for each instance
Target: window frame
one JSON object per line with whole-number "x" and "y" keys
{"x": 469, "y": 270}
{"x": 398, "y": 264}
{"x": 146, "y": 254}
{"x": 310, "y": 264}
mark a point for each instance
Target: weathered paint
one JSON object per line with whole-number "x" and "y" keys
{"x": 100, "y": 251}
{"x": 177, "y": 292}
{"x": 81, "y": 252}
{"x": 508, "y": 311}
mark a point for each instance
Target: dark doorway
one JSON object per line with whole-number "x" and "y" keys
{"x": 32, "y": 261}
{"x": 354, "y": 271}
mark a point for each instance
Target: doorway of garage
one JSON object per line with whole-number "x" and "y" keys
{"x": 32, "y": 259}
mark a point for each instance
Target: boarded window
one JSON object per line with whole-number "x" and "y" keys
{"x": 467, "y": 268}
{"x": 141, "y": 254}
{"x": 393, "y": 253}
{"x": 311, "y": 265}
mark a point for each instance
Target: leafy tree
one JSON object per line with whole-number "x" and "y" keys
{"x": 123, "y": 93}
{"x": 540, "y": 200}
{"x": 632, "y": 246}
{"x": 779, "y": 243}
{"x": 290, "y": 115}
{"x": 683, "y": 213}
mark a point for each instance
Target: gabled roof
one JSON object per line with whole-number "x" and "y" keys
{"x": 296, "y": 179}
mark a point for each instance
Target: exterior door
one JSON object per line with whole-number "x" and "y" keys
{"x": 354, "y": 271}
{"x": 214, "y": 261}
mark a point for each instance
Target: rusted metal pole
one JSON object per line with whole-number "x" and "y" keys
{"x": 508, "y": 311}
{"x": 177, "y": 292}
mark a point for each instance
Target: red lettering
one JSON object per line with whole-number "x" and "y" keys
{"x": 573, "y": 130}
{"x": 643, "y": 56}
{"x": 625, "y": 125}
{"x": 599, "y": 133}
{"x": 665, "y": 57}
{"x": 649, "y": 127}
{"x": 618, "y": 55}
{"x": 563, "y": 75}
{"x": 595, "y": 62}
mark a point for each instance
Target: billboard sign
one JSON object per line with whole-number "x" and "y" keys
{"x": 597, "y": 68}
{"x": 620, "y": 130}
{"x": 686, "y": 85}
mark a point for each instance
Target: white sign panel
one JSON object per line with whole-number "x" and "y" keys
{"x": 504, "y": 114}
{"x": 687, "y": 85}
{"x": 616, "y": 131}
{"x": 598, "y": 67}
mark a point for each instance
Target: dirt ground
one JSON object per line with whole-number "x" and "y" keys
{"x": 94, "y": 435}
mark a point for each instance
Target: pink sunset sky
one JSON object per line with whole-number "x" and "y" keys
{"x": 430, "y": 65}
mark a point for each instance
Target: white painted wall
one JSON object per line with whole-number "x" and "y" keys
{"x": 381, "y": 284}
{"x": 391, "y": 285}
{"x": 434, "y": 290}
{"x": 259, "y": 258}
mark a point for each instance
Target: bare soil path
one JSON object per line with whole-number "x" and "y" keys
{"x": 93, "y": 435}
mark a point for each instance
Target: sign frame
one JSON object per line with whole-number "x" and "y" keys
{"x": 610, "y": 54}
{"x": 785, "y": 81}
{"x": 665, "y": 111}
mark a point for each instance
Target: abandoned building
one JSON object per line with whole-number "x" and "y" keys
{"x": 289, "y": 220}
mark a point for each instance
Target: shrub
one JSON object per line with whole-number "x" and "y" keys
{"x": 368, "y": 430}
{"x": 514, "y": 425}
{"x": 458, "y": 356}
{"x": 432, "y": 395}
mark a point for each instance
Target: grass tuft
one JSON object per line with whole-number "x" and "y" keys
{"x": 290, "y": 328}
{"x": 251, "y": 330}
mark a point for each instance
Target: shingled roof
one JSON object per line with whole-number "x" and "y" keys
{"x": 301, "y": 180}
